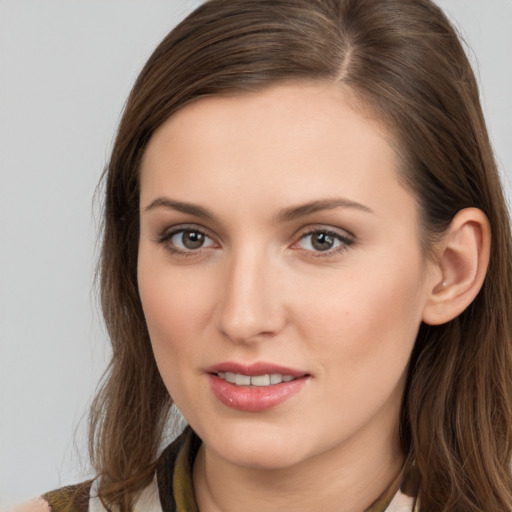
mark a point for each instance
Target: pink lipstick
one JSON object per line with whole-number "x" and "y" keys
{"x": 256, "y": 387}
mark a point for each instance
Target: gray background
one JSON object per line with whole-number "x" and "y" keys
{"x": 66, "y": 67}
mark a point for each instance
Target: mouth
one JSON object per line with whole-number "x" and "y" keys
{"x": 267, "y": 379}
{"x": 256, "y": 387}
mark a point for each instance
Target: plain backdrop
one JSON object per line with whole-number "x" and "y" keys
{"x": 66, "y": 67}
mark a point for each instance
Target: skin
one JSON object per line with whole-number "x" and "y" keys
{"x": 258, "y": 290}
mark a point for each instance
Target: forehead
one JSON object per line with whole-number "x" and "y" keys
{"x": 287, "y": 142}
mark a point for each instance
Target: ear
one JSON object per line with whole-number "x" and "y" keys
{"x": 461, "y": 260}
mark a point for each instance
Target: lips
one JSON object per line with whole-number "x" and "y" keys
{"x": 256, "y": 387}
{"x": 267, "y": 379}
{"x": 259, "y": 368}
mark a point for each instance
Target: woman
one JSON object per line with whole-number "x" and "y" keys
{"x": 299, "y": 214}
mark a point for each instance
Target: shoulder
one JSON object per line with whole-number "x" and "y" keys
{"x": 37, "y": 505}
{"x": 174, "y": 468}
{"x": 73, "y": 498}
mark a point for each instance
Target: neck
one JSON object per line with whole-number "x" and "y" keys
{"x": 348, "y": 478}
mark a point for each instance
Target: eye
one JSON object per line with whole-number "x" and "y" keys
{"x": 324, "y": 241}
{"x": 186, "y": 240}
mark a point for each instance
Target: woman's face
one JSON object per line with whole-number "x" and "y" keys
{"x": 277, "y": 242}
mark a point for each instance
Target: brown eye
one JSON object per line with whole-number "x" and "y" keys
{"x": 185, "y": 240}
{"x": 192, "y": 239}
{"x": 324, "y": 241}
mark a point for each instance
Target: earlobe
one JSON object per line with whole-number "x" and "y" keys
{"x": 462, "y": 258}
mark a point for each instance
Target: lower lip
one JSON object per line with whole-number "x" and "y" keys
{"x": 255, "y": 398}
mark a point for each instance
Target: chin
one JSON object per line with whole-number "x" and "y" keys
{"x": 256, "y": 446}
{"x": 264, "y": 456}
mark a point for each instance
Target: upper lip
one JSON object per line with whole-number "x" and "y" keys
{"x": 259, "y": 368}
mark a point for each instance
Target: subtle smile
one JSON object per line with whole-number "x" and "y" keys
{"x": 255, "y": 380}
{"x": 256, "y": 387}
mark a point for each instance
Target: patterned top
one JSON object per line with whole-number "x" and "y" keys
{"x": 171, "y": 489}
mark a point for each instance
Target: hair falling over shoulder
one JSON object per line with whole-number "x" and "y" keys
{"x": 406, "y": 65}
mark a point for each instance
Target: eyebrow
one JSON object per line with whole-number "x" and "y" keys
{"x": 285, "y": 215}
{"x": 180, "y": 206}
{"x": 289, "y": 214}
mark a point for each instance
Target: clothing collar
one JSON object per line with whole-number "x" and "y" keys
{"x": 174, "y": 477}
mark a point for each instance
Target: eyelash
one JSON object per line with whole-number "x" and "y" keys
{"x": 344, "y": 241}
{"x": 167, "y": 236}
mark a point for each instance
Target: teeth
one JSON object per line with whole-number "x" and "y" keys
{"x": 242, "y": 380}
{"x": 229, "y": 377}
{"x": 276, "y": 378}
{"x": 260, "y": 380}
{"x": 256, "y": 380}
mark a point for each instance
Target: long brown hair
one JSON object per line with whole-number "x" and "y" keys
{"x": 404, "y": 61}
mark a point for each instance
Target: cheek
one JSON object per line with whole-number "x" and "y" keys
{"x": 176, "y": 306}
{"x": 366, "y": 317}
{"x": 175, "y": 314}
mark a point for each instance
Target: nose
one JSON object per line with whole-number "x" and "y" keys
{"x": 252, "y": 305}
